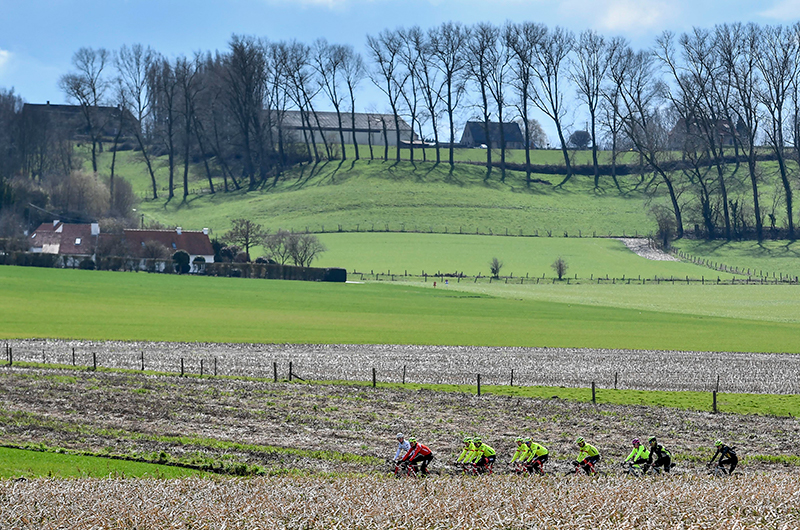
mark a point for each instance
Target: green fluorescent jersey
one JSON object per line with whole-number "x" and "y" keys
{"x": 536, "y": 450}
{"x": 588, "y": 450}
{"x": 467, "y": 453}
{"x": 521, "y": 453}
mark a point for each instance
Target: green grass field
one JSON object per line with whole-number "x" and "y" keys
{"x": 139, "y": 306}
{"x": 771, "y": 257}
{"x": 470, "y": 254}
{"x": 15, "y": 463}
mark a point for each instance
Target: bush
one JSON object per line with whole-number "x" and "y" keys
{"x": 181, "y": 259}
{"x": 494, "y": 266}
{"x": 560, "y": 267}
{"x": 86, "y": 265}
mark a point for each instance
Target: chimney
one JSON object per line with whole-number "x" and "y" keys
{"x": 95, "y": 229}
{"x": 205, "y": 231}
{"x": 179, "y": 230}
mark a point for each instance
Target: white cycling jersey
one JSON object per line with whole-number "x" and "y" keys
{"x": 402, "y": 448}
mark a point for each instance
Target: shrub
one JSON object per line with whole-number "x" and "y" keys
{"x": 560, "y": 267}
{"x": 494, "y": 266}
{"x": 86, "y": 265}
{"x": 181, "y": 259}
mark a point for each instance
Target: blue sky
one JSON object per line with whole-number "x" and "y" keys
{"x": 38, "y": 37}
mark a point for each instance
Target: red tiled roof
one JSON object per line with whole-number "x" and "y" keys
{"x": 77, "y": 239}
{"x": 195, "y": 243}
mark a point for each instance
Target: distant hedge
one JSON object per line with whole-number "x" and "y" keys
{"x": 233, "y": 270}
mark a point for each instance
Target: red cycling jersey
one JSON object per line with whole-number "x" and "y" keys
{"x": 415, "y": 451}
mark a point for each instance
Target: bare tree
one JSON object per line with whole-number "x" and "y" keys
{"x": 329, "y": 62}
{"x": 521, "y": 40}
{"x": 165, "y": 112}
{"x": 560, "y": 267}
{"x": 245, "y": 234}
{"x": 430, "y": 80}
{"x": 354, "y": 73}
{"x": 389, "y": 76}
{"x": 87, "y": 87}
{"x": 411, "y": 89}
{"x": 449, "y": 44}
{"x": 482, "y": 61}
{"x": 551, "y": 52}
{"x": 188, "y": 81}
{"x": 304, "y": 248}
{"x": 494, "y": 267}
{"x": 278, "y": 246}
{"x": 245, "y": 75}
{"x": 135, "y": 69}
{"x": 639, "y": 114}
{"x": 778, "y": 65}
{"x": 610, "y": 104}
{"x": 589, "y": 67}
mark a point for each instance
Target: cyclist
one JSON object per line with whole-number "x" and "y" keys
{"x": 402, "y": 446}
{"x": 639, "y": 456}
{"x": 537, "y": 456}
{"x": 587, "y": 457}
{"x": 727, "y": 455}
{"x": 484, "y": 456}
{"x": 418, "y": 454}
{"x": 466, "y": 454}
{"x": 660, "y": 454}
{"x": 521, "y": 453}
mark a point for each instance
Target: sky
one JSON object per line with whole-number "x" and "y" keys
{"x": 38, "y": 37}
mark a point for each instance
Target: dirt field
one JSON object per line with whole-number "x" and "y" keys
{"x": 640, "y": 370}
{"x": 203, "y": 418}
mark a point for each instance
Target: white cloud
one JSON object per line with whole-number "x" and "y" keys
{"x": 625, "y": 16}
{"x": 783, "y": 10}
{"x": 5, "y": 59}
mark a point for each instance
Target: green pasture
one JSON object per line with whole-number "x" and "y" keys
{"x": 398, "y": 253}
{"x": 769, "y": 257}
{"x": 15, "y": 463}
{"x": 139, "y": 306}
{"x": 369, "y": 196}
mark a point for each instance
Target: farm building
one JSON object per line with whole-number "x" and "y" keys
{"x": 71, "y": 119}
{"x": 685, "y": 134}
{"x": 76, "y": 242}
{"x": 73, "y": 242}
{"x": 369, "y": 127}
{"x": 474, "y": 135}
{"x": 195, "y": 242}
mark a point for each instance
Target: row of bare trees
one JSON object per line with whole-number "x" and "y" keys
{"x": 698, "y": 108}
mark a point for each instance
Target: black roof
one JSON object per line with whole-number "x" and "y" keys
{"x": 476, "y": 129}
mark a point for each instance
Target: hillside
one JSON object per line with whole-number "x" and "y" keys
{"x": 421, "y": 196}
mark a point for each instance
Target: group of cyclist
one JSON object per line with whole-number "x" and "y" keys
{"x": 531, "y": 456}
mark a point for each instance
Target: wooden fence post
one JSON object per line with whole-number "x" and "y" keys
{"x": 73, "y": 356}
{"x": 201, "y": 367}
{"x": 215, "y": 366}
{"x": 10, "y": 357}
{"x": 512, "y": 377}
{"x": 479, "y": 384}
{"x": 404, "y": 374}
{"x": 142, "y": 361}
{"x": 615, "y": 380}
{"x": 714, "y": 404}
{"x": 275, "y": 371}
{"x": 181, "y": 366}
{"x": 290, "y": 370}
{"x": 717, "y": 387}
{"x": 594, "y": 401}
{"x": 94, "y": 361}
{"x": 374, "y": 377}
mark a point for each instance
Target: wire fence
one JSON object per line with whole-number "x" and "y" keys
{"x": 732, "y": 372}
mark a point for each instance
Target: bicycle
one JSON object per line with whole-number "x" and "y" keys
{"x": 717, "y": 471}
{"x": 403, "y": 469}
{"x": 579, "y": 468}
{"x": 634, "y": 470}
{"x": 519, "y": 468}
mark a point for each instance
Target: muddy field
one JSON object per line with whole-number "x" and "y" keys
{"x": 640, "y": 370}
{"x": 347, "y": 428}
{"x": 499, "y": 502}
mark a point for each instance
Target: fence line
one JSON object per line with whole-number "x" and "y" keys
{"x": 743, "y": 373}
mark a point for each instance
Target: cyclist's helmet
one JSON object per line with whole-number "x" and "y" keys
{"x": 718, "y": 443}
{"x": 652, "y": 439}
{"x": 400, "y": 435}
{"x": 580, "y": 440}
{"x": 467, "y": 440}
{"x": 635, "y": 441}
{"x": 412, "y": 440}
{"x": 477, "y": 440}
{"x": 527, "y": 439}
{"x": 519, "y": 439}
